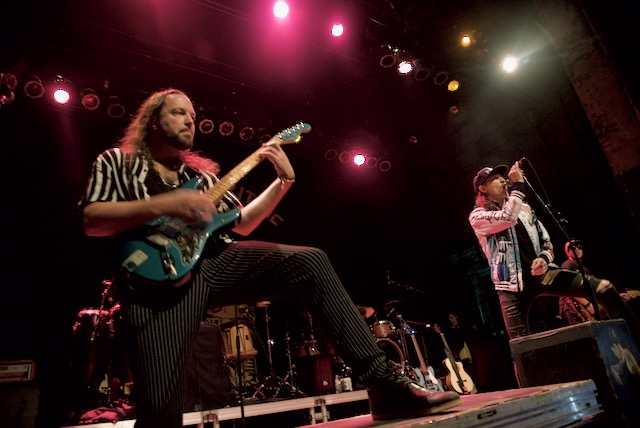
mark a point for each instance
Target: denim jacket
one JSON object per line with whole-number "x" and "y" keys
{"x": 495, "y": 230}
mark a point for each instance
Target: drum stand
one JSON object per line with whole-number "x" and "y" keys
{"x": 273, "y": 384}
{"x": 409, "y": 369}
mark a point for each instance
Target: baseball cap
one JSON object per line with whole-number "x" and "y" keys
{"x": 486, "y": 172}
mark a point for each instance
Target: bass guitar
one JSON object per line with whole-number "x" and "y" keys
{"x": 457, "y": 379}
{"x": 166, "y": 249}
{"x": 426, "y": 374}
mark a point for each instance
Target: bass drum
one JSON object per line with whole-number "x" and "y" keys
{"x": 393, "y": 353}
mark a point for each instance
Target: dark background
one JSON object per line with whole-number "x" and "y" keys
{"x": 400, "y": 234}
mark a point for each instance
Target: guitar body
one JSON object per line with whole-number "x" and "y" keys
{"x": 167, "y": 248}
{"x": 457, "y": 378}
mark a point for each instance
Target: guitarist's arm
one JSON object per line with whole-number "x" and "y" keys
{"x": 261, "y": 207}
{"x": 112, "y": 218}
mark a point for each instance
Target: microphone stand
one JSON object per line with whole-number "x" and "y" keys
{"x": 559, "y": 221}
{"x": 240, "y": 368}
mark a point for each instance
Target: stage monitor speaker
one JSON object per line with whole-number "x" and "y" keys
{"x": 208, "y": 385}
{"x": 315, "y": 374}
{"x": 18, "y": 405}
{"x": 602, "y": 351}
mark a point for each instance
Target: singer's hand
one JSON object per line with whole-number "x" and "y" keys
{"x": 515, "y": 173}
{"x": 539, "y": 267}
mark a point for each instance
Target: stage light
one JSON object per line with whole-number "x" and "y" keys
{"x": 509, "y": 64}
{"x": 421, "y": 71}
{"x": 453, "y": 85}
{"x": 115, "y": 108}
{"x": 337, "y": 30}
{"x": 405, "y": 65}
{"x": 441, "y": 78}
{"x": 246, "y": 133}
{"x": 359, "y": 159}
{"x": 89, "y": 99}
{"x": 206, "y": 126}
{"x": 33, "y": 88}
{"x": 454, "y": 110}
{"x": 264, "y": 138}
{"x": 61, "y": 93}
{"x": 388, "y": 58}
{"x": 226, "y": 128}
{"x": 8, "y": 83}
{"x": 281, "y": 9}
{"x": 384, "y": 166}
{"x": 465, "y": 41}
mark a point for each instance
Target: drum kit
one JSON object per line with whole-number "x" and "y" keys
{"x": 99, "y": 366}
{"x": 398, "y": 340}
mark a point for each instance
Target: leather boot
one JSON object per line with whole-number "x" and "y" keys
{"x": 397, "y": 397}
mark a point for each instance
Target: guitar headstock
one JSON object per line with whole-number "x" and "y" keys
{"x": 293, "y": 134}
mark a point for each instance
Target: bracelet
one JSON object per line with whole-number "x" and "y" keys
{"x": 284, "y": 180}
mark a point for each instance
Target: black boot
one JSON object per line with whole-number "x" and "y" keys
{"x": 397, "y": 397}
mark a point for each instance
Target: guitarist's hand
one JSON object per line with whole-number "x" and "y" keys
{"x": 273, "y": 151}
{"x": 191, "y": 205}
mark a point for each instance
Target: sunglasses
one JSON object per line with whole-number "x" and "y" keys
{"x": 577, "y": 246}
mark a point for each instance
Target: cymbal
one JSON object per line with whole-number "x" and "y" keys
{"x": 393, "y": 302}
{"x": 366, "y": 311}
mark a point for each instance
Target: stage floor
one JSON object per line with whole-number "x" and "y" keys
{"x": 561, "y": 405}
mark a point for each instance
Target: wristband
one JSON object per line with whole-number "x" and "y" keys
{"x": 284, "y": 180}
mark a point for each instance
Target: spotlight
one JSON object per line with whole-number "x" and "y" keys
{"x": 226, "y": 128}
{"x": 421, "y": 71}
{"x": 359, "y": 159}
{"x": 331, "y": 154}
{"x": 89, "y": 99}
{"x": 384, "y": 166}
{"x": 453, "y": 85}
{"x": 61, "y": 93}
{"x": 34, "y": 88}
{"x": 405, "y": 66}
{"x": 8, "y": 83}
{"x": 441, "y": 78}
{"x": 246, "y": 133}
{"x": 264, "y": 138}
{"x": 115, "y": 109}
{"x": 388, "y": 58}
{"x": 206, "y": 126}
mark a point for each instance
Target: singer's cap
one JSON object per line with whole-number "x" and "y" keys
{"x": 486, "y": 172}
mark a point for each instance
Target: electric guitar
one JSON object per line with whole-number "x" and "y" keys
{"x": 166, "y": 249}
{"x": 426, "y": 374}
{"x": 457, "y": 379}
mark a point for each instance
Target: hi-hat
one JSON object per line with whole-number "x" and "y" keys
{"x": 366, "y": 311}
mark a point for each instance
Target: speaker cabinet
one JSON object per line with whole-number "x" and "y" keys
{"x": 207, "y": 385}
{"x": 18, "y": 405}
{"x": 602, "y": 351}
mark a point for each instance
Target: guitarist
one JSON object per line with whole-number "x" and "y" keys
{"x": 140, "y": 181}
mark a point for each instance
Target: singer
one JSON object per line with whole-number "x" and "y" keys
{"x": 519, "y": 251}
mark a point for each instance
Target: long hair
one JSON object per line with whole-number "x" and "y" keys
{"x": 483, "y": 201}
{"x": 135, "y": 142}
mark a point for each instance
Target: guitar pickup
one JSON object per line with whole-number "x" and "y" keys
{"x": 159, "y": 241}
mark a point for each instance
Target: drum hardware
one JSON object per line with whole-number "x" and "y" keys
{"x": 96, "y": 350}
{"x": 273, "y": 385}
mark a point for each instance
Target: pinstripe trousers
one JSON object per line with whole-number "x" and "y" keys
{"x": 161, "y": 324}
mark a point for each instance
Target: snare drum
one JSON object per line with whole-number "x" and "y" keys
{"x": 246, "y": 343}
{"x": 383, "y": 329}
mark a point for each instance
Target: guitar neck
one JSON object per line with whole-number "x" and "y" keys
{"x": 232, "y": 178}
{"x": 423, "y": 365}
